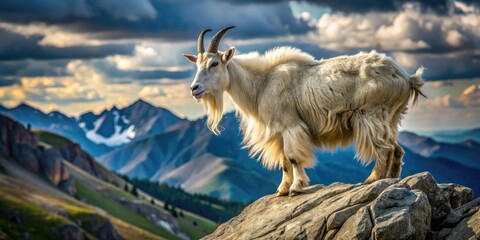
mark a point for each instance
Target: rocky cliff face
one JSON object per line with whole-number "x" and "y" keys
{"x": 415, "y": 207}
{"x": 20, "y": 144}
{"x": 24, "y": 146}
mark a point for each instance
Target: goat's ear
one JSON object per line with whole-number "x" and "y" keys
{"x": 227, "y": 55}
{"x": 191, "y": 58}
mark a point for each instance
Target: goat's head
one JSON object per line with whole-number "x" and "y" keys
{"x": 211, "y": 79}
{"x": 212, "y": 76}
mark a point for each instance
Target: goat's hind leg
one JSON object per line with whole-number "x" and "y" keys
{"x": 287, "y": 178}
{"x": 385, "y": 159}
{"x": 395, "y": 167}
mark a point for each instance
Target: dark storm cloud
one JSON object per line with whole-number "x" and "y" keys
{"x": 165, "y": 19}
{"x": 14, "y": 46}
{"x": 448, "y": 69}
{"x": 126, "y": 76}
{"x": 380, "y": 5}
{"x": 8, "y": 81}
{"x": 32, "y": 68}
{"x": 351, "y": 6}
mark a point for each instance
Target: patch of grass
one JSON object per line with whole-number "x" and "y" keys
{"x": 33, "y": 220}
{"x": 117, "y": 210}
{"x": 51, "y": 139}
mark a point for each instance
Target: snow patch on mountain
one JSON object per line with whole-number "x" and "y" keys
{"x": 119, "y": 137}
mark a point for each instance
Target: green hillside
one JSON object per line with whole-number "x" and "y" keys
{"x": 89, "y": 188}
{"x": 32, "y": 207}
{"x": 51, "y": 139}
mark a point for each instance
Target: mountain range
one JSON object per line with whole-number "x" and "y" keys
{"x": 99, "y": 133}
{"x": 147, "y": 142}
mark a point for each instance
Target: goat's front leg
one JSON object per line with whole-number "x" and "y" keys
{"x": 298, "y": 149}
{"x": 300, "y": 178}
{"x": 287, "y": 178}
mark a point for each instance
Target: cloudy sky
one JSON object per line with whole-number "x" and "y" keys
{"x": 86, "y": 55}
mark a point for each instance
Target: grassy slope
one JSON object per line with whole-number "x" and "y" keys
{"x": 89, "y": 188}
{"x": 88, "y": 183}
{"x": 41, "y": 202}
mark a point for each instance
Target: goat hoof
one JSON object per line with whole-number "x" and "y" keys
{"x": 279, "y": 194}
{"x": 293, "y": 193}
{"x": 369, "y": 180}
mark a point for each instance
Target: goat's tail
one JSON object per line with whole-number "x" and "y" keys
{"x": 416, "y": 82}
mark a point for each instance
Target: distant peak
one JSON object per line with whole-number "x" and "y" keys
{"x": 141, "y": 102}
{"x": 24, "y": 105}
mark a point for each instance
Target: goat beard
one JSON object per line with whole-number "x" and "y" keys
{"x": 213, "y": 105}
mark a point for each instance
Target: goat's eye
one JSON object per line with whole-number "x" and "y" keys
{"x": 214, "y": 64}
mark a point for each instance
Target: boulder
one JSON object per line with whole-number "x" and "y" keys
{"x": 400, "y": 213}
{"x": 456, "y": 194}
{"x": 439, "y": 203}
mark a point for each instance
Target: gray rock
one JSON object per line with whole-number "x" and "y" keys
{"x": 426, "y": 183}
{"x": 401, "y": 213}
{"x": 460, "y": 213}
{"x": 337, "y": 219}
{"x": 468, "y": 228}
{"x": 357, "y": 227}
{"x": 456, "y": 194}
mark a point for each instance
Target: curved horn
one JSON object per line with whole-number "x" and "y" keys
{"x": 213, "y": 45}
{"x": 200, "y": 47}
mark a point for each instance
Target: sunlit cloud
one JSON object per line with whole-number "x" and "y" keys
{"x": 407, "y": 30}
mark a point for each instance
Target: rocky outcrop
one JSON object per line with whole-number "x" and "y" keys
{"x": 415, "y": 207}
{"x": 73, "y": 153}
{"x": 17, "y": 143}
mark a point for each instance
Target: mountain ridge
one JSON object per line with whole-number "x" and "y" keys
{"x": 116, "y": 127}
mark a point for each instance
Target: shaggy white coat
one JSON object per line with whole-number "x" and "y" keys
{"x": 288, "y": 102}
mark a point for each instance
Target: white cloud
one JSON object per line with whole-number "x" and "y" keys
{"x": 406, "y": 30}
{"x": 152, "y": 91}
{"x": 154, "y": 56}
{"x": 11, "y": 95}
{"x": 470, "y": 97}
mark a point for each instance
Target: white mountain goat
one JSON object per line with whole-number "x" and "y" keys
{"x": 288, "y": 103}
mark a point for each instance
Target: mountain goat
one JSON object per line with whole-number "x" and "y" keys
{"x": 288, "y": 103}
